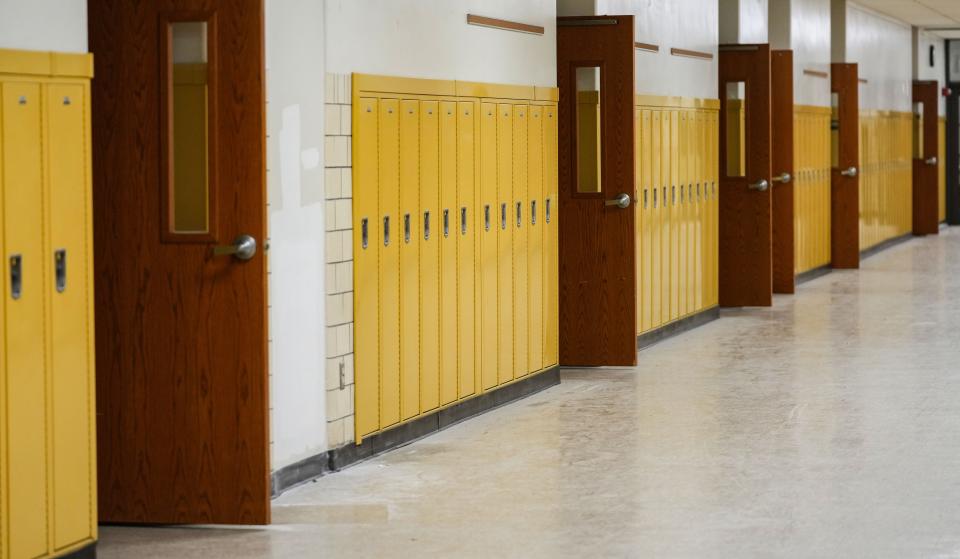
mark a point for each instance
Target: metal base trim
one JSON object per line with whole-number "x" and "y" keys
{"x": 89, "y": 551}
{"x": 648, "y": 339}
{"x": 879, "y": 247}
{"x": 809, "y": 275}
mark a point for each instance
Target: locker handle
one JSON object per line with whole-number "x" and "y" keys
{"x": 386, "y": 230}
{"x": 16, "y": 276}
{"x": 681, "y": 193}
{"x": 698, "y": 191}
{"x": 446, "y": 223}
{"x": 519, "y": 213}
{"x": 426, "y": 225}
{"x": 406, "y": 228}
{"x": 364, "y": 233}
{"x": 533, "y": 212}
{"x": 645, "y": 198}
{"x": 673, "y": 195}
{"x": 547, "y": 209}
{"x": 503, "y": 216}
{"x": 60, "y": 267}
{"x": 655, "y": 197}
{"x": 463, "y": 220}
{"x": 486, "y": 217}
{"x": 663, "y": 197}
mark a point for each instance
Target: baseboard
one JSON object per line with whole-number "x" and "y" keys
{"x": 813, "y": 274}
{"x": 88, "y": 551}
{"x": 339, "y": 458}
{"x": 647, "y": 339}
{"x": 880, "y": 247}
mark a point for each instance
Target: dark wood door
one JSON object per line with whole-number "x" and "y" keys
{"x": 925, "y": 196}
{"x": 781, "y": 109}
{"x": 179, "y": 135}
{"x": 595, "y": 74}
{"x": 746, "y": 227}
{"x": 845, "y": 172}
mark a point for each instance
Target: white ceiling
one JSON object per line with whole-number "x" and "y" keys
{"x": 941, "y": 16}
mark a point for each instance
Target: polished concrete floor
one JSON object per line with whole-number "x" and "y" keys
{"x": 826, "y": 426}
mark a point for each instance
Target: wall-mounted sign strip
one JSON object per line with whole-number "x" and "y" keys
{"x": 816, "y": 73}
{"x": 691, "y": 53}
{"x": 647, "y": 47}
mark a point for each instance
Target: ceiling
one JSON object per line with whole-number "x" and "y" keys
{"x": 940, "y": 16}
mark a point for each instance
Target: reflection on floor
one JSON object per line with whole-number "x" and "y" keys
{"x": 828, "y": 425}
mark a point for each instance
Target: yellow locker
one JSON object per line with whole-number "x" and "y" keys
{"x": 534, "y": 209}
{"x": 70, "y": 369}
{"x": 487, "y": 228}
{"x": 680, "y": 212}
{"x": 366, "y": 289}
{"x": 645, "y": 173}
{"x": 505, "y": 240}
{"x": 551, "y": 273}
{"x": 463, "y": 227}
{"x": 715, "y": 207}
{"x": 656, "y": 230}
{"x": 409, "y": 259}
{"x": 389, "y": 263}
{"x": 446, "y": 232}
{"x": 429, "y": 255}
{"x": 26, "y": 421}
{"x": 521, "y": 324}
{"x": 699, "y": 147}
{"x": 674, "y": 229}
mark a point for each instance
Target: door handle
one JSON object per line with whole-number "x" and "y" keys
{"x": 622, "y": 201}
{"x": 243, "y": 248}
{"x": 16, "y": 276}
{"x": 762, "y": 185}
{"x": 849, "y": 172}
{"x": 931, "y": 161}
{"x": 783, "y": 178}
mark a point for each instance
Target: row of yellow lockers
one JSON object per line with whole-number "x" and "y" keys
{"x": 886, "y": 176}
{"x": 677, "y": 209}
{"x": 455, "y": 236}
{"x": 47, "y": 453}
{"x": 811, "y": 191}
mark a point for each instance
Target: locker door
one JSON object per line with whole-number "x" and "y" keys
{"x": 665, "y": 217}
{"x": 487, "y": 227}
{"x": 367, "y": 240}
{"x": 465, "y": 228}
{"x": 409, "y": 259}
{"x": 26, "y": 420}
{"x": 683, "y": 161}
{"x": 390, "y": 236}
{"x": 551, "y": 291}
{"x": 520, "y": 231}
{"x": 533, "y": 211}
{"x": 505, "y": 240}
{"x": 447, "y": 234}
{"x": 646, "y": 180}
{"x": 429, "y": 256}
{"x": 638, "y": 209}
{"x": 68, "y": 254}
{"x": 674, "y": 215}
{"x": 656, "y": 237}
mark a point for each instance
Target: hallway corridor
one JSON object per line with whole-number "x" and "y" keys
{"x": 827, "y": 425}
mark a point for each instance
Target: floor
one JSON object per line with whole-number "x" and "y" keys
{"x": 826, "y": 426}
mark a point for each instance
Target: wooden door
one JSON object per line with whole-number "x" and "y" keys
{"x": 179, "y": 176}
{"x": 781, "y": 108}
{"x": 926, "y": 150}
{"x": 845, "y": 162}
{"x": 595, "y": 74}
{"x": 746, "y": 228}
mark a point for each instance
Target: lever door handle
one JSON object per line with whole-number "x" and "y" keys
{"x": 849, "y": 172}
{"x": 622, "y": 201}
{"x": 931, "y": 161}
{"x": 243, "y": 248}
{"x": 762, "y": 185}
{"x": 783, "y": 178}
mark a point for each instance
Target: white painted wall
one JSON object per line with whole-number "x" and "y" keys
{"x": 753, "y": 21}
{"x": 804, "y": 27}
{"x": 431, "y": 39}
{"x": 295, "y": 129}
{"x": 686, "y": 24}
{"x": 936, "y": 72}
{"x": 882, "y": 48}
{"x": 47, "y": 25}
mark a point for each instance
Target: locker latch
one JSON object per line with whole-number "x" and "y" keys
{"x": 463, "y": 220}
{"x": 60, "y": 267}
{"x": 519, "y": 213}
{"x": 364, "y": 234}
{"x": 503, "y": 216}
{"x": 547, "y": 209}
{"x": 406, "y": 228}
{"x": 16, "y": 276}
{"x": 533, "y": 210}
{"x": 426, "y": 225}
{"x": 655, "y": 197}
{"x": 386, "y": 230}
{"x": 446, "y": 223}
{"x": 486, "y": 217}
{"x": 645, "y": 191}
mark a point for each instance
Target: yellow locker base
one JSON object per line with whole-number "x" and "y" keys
{"x": 677, "y": 327}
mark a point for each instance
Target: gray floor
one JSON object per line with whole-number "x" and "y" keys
{"x": 827, "y": 426}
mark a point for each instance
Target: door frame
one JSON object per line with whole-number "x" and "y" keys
{"x": 782, "y": 165}
{"x": 844, "y": 183}
{"x": 925, "y": 184}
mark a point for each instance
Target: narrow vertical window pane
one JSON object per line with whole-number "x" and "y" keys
{"x": 835, "y": 129}
{"x": 589, "y": 149}
{"x": 736, "y": 140}
{"x": 189, "y": 206}
{"x": 918, "y": 130}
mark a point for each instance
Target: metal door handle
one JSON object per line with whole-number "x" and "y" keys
{"x": 622, "y": 201}
{"x": 762, "y": 185}
{"x": 243, "y": 248}
{"x": 931, "y": 161}
{"x": 783, "y": 178}
{"x": 849, "y": 172}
